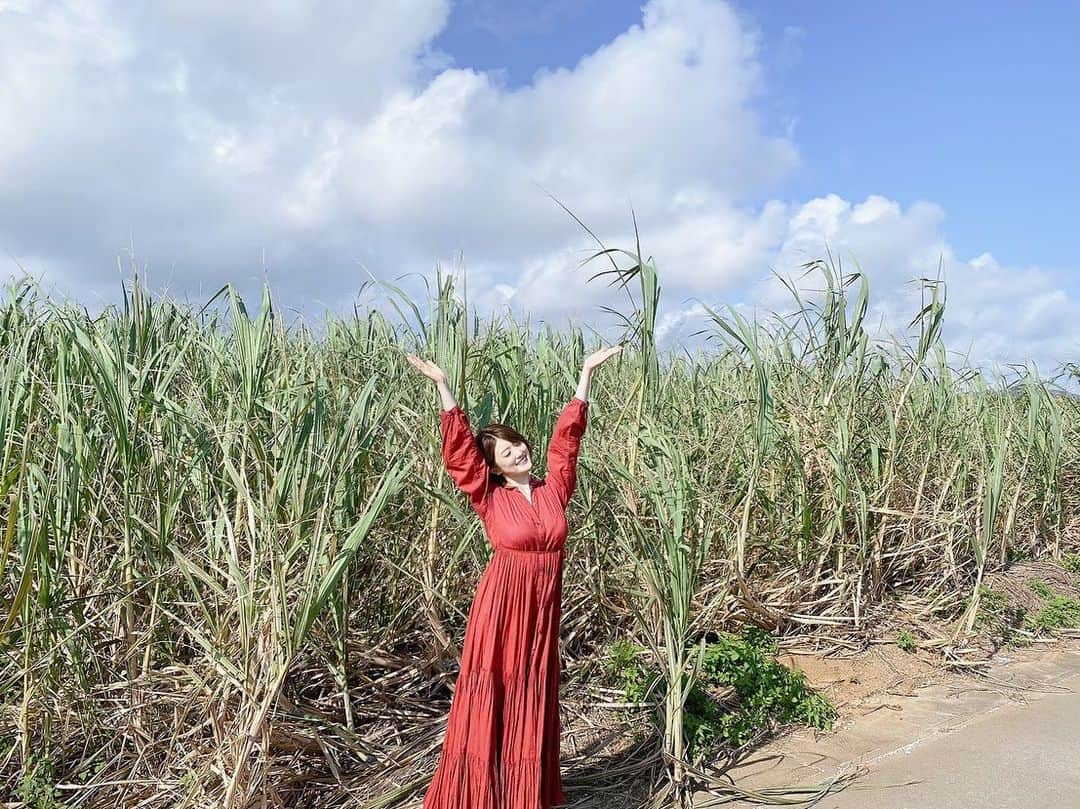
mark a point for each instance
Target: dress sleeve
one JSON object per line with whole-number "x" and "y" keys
{"x": 563, "y": 449}
{"x": 462, "y": 456}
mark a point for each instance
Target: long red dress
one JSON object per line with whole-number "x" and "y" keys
{"x": 501, "y": 749}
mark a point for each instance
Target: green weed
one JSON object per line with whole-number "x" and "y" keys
{"x": 1060, "y": 612}
{"x": 37, "y": 790}
{"x": 767, "y": 694}
{"x": 1041, "y": 588}
{"x": 1000, "y": 619}
{"x": 992, "y": 603}
{"x": 906, "y": 641}
{"x": 624, "y": 665}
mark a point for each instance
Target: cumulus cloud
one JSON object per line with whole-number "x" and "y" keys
{"x": 995, "y": 315}
{"x": 330, "y": 141}
{"x": 322, "y": 140}
{"x": 190, "y": 129}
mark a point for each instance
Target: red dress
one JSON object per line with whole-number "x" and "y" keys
{"x": 501, "y": 749}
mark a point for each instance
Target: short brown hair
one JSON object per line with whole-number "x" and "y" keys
{"x": 485, "y": 440}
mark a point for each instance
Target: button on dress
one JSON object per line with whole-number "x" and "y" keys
{"x": 501, "y": 749}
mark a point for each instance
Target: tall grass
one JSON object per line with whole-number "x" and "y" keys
{"x": 233, "y": 570}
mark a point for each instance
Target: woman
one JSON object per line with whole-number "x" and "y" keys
{"x": 501, "y": 749}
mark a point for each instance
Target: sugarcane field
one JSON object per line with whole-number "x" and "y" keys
{"x": 235, "y": 570}
{"x": 458, "y": 404}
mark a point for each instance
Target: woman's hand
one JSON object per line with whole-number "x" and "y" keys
{"x": 438, "y": 376}
{"x": 428, "y": 369}
{"x": 594, "y": 360}
{"x": 591, "y": 363}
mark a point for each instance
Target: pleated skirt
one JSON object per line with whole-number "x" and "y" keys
{"x": 501, "y": 748}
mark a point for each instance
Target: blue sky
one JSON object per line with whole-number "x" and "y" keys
{"x": 313, "y": 146}
{"x": 974, "y": 105}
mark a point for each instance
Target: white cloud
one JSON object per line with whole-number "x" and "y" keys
{"x": 211, "y": 137}
{"x": 994, "y": 315}
{"x": 208, "y": 137}
{"x": 193, "y": 129}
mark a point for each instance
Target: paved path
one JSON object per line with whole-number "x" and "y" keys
{"x": 1019, "y": 757}
{"x": 1011, "y": 744}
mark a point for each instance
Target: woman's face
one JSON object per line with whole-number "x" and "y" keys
{"x": 511, "y": 459}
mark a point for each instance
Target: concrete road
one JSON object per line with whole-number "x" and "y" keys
{"x": 1018, "y": 757}
{"x": 1009, "y": 742}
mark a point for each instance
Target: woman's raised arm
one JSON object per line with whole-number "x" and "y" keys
{"x": 565, "y": 441}
{"x": 563, "y": 449}
{"x": 460, "y": 452}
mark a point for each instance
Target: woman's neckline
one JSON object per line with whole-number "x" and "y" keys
{"x": 533, "y": 480}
